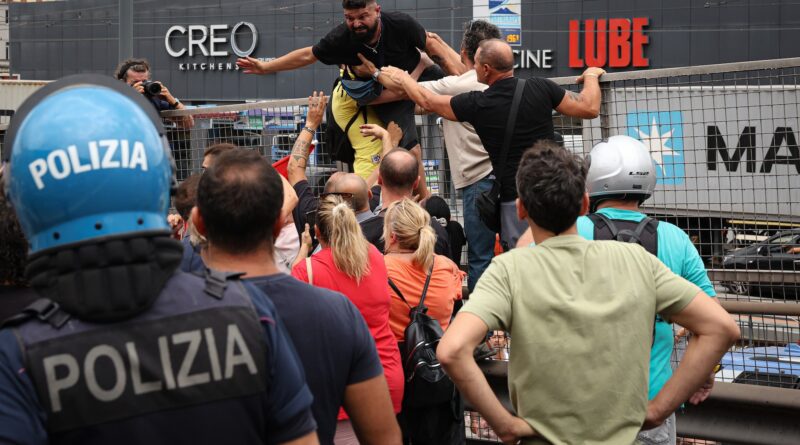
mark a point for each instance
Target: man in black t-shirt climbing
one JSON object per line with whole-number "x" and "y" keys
{"x": 383, "y": 39}
{"x": 488, "y": 112}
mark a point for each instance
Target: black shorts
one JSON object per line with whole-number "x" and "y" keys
{"x": 402, "y": 113}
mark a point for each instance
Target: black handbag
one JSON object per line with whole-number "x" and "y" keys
{"x": 426, "y": 382}
{"x": 488, "y": 202}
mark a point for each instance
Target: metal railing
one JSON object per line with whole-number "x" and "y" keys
{"x": 725, "y": 141}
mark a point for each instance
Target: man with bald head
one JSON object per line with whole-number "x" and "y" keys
{"x": 351, "y": 183}
{"x": 354, "y": 186}
{"x": 398, "y": 176}
{"x": 488, "y": 111}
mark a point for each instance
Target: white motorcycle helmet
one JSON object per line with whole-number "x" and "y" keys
{"x": 620, "y": 168}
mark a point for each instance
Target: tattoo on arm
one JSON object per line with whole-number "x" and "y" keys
{"x": 300, "y": 149}
{"x": 300, "y": 152}
{"x": 300, "y": 160}
{"x": 575, "y": 96}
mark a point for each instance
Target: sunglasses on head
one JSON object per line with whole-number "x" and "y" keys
{"x": 341, "y": 194}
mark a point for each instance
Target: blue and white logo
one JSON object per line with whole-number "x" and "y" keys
{"x": 662, "y": 133}
{"x": 507, "y": 15}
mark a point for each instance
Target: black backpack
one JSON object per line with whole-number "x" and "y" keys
{"x": 644, "y": 233}
{"x": 426, "y": 381}
{"x": 336, "y": 139}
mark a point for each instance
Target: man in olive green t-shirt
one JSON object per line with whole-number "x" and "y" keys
{"x": 581, "y": 314}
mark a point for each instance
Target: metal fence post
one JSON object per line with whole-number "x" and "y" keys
{"x": 125, "y": 29}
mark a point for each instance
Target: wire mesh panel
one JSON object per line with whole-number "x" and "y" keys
{"x": 271, "y": 127}
{"x": 724, "y": 142}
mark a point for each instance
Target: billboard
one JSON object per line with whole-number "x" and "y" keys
{"x": 716, "y": 148}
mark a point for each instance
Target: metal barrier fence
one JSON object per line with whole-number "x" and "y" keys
{"x": 724, "y": 139}
{"x": 725, "y": 142}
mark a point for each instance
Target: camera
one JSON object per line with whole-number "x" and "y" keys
{"x": 151, "y": 88}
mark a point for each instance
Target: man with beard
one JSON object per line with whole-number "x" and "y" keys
{"x": 382, "y": 38}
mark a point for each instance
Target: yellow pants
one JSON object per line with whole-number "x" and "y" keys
{"x": 368, "y": 152}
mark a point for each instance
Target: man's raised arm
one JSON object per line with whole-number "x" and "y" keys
{"x": 295, "y": 59}
{"x": 444, "y": 55}
{"x": 422, "y": 97}
{"x": 585, "y": 104}
{"x": 298, "y": 160}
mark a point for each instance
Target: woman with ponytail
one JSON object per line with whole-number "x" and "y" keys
{"x": 409, "y": 241}
{"x": 349, "y": 264}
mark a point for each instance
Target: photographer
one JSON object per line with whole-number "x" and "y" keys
{"x": 136, "y": 73}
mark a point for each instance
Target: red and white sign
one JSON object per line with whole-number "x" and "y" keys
{"x": 612, "y": 43}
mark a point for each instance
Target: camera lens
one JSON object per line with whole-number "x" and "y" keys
{"x": 151, "y": 88}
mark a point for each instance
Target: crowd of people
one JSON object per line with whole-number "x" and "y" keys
{"x": 261, "y": 312}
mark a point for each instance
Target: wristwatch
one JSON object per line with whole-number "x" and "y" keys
{"x": 375, "y": 75}
{"x": 175, "y": 105}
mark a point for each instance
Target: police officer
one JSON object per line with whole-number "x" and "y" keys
{"x": 120, "y": 347}
{"x": 621, "y": 177}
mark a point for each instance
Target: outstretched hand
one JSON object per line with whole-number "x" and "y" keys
{"x": 305, "y": 239}
{"x": 396, "y": 74}
{"x": 366, "y": 69}
{"x": 395, "y": 133}
{"x": 590, "y": 72}
{"x": 376, "y": 131}
{"x": 316, "y": 109}
{"x": 251, "y": 65}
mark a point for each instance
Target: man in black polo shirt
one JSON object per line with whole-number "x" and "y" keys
{"x": 488, "y": 112}
{"x": 383, "y": 38}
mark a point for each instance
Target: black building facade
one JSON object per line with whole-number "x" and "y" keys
{"x": 193, "y": 44}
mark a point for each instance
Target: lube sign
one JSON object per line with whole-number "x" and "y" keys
{"x": 209, "y": 41}
{"x": 613, "y": 43}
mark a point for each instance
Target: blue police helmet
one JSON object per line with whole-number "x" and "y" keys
{"x": 88, "y": 160}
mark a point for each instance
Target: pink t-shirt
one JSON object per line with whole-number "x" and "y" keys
{"x": 371, "y": 297}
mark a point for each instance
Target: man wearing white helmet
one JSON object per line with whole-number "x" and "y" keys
{"x": 580, "y": 314}
{"x": 121, "y": 347}
{"x": 621, "y": 177}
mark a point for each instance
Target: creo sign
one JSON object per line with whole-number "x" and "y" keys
{"x": 209, "y": 41}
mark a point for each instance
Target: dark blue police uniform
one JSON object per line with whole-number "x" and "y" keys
{"x": 203, "y": 365}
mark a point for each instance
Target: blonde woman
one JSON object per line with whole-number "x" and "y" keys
{"x": 349, "y": 264}
{"x": 409, "y": 241}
